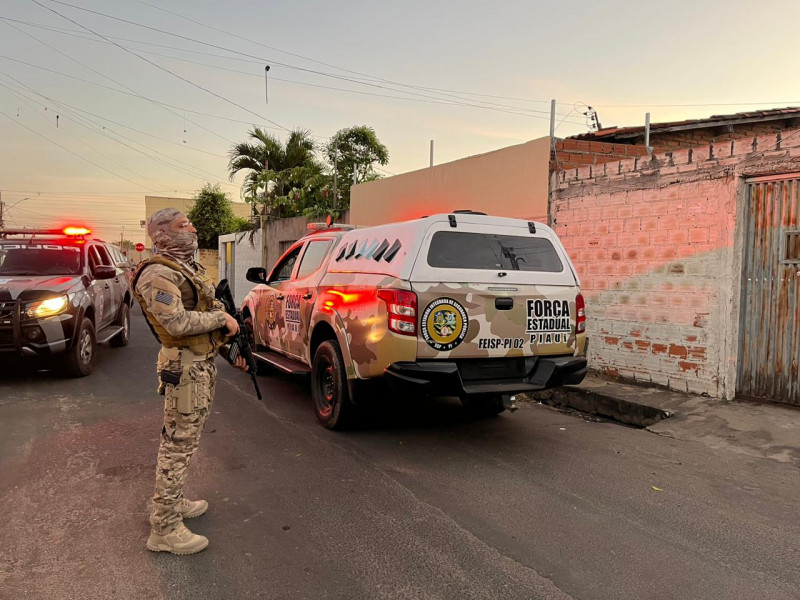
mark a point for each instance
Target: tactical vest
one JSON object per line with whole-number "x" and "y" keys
{"x": 199, "y": 297}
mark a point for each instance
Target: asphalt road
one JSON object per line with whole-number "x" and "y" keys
{"x": 421, "y": 502}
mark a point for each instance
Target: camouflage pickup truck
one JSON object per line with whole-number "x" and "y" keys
{"x": 459, "y": 304}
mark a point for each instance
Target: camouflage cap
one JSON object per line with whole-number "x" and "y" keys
{"x": 180, "y": 245}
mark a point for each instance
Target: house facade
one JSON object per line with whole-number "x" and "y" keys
{"x": 690, "y": 261}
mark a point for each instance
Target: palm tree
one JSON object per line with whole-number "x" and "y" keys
{"x": 281, "y": 170}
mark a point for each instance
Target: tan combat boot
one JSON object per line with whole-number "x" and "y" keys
{"x": 178, "y": 541}
{"x": 189, "y": 509}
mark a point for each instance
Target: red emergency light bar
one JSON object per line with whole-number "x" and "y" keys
{"x": 69, "y": 231}
{"x": 72, "y": 230}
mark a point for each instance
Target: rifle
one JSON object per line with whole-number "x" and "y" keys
{"x": 240, "y": 343}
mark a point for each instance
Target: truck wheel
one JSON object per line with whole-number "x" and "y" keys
{"x": 80, "y": 358}
{"x": 484, "y": 405}
{"x": 332, "y": 403}
{"x": 124, "y": 320}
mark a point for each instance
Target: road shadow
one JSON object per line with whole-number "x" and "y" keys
{"x": 381, "y": 409}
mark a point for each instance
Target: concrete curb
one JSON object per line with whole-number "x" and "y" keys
{"x": 623, "y": 410}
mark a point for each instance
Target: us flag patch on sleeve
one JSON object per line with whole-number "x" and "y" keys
{"x": 163, "y": 297}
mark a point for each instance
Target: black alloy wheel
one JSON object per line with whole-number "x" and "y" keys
{"x": 329, "y": 389}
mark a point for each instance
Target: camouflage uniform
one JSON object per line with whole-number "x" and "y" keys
{"x": 168, "y": 297}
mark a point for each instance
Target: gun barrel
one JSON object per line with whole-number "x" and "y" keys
{"x": 255, "y": 385}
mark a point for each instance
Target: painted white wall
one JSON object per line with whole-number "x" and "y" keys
{"x": 246, "y": 254}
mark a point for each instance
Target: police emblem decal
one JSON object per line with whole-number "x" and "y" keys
{"x": 444, "y": 324}
{"x": 271, "y": 311}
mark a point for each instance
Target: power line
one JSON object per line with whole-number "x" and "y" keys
{"x": 81, "y": 110}
{"x": 25, "y": 100}
{"x": 131, "y": 90}
{"x": 250, "y": 40}
{"x": 72, "y": 152}
{"x": 93, "y": 193}
{"x": 289, "y": 66}
{"x": 192, "y": 83}
{"x": 137, "y": 95}
{"x": 511, "y": 110}
{"x": 338, "y": 89}
{"x": 373, "y": 77}
{"x": 106, "y": 132}
{"x": 75, "y": 33}
{"x": 144, "y": 132}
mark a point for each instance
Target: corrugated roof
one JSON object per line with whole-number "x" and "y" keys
{"x": 771, "y": 114}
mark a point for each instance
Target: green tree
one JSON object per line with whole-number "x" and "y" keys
{"x": 213, "y": 216}
{"x": 277, "y": 172}
{"x": 354, "y": 151}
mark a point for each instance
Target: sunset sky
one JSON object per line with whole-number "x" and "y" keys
{"x": 87, "y": 128}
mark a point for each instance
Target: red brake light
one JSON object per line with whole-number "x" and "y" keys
{"x": 76, "y": 231}
{"x": 402, "y": 308}
{"x": 580, "y": 318}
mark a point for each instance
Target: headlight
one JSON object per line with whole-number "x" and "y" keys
{"x": 48, "y": 308}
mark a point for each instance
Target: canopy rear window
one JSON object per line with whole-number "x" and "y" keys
{"x": 464, "y": 250}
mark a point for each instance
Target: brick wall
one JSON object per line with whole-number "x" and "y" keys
{"x": 675, "y": 140}
{"x": 569, "y": 154}
{"x": 656, "y": 244}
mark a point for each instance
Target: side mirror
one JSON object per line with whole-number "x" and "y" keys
{"x": 256, "y": 275}
{"x": 104, "y": 272}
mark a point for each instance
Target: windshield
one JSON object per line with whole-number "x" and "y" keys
{"x": 463, "y": 250}
{"x": 39, "y": 259}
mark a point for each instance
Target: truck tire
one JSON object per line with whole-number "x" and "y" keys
{"x": 332, "y": 402}
{"x": 80, "y": 358}
{"x": 124, "y": 321}
{"x": 484, "y": 405}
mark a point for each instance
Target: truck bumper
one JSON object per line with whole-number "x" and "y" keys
{"x": 34, "y": 337}
{"x": 486, "y": 376}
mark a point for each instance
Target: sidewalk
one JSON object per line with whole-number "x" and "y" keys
{"x": 761, "y": 430}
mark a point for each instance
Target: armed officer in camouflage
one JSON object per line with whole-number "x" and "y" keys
{"x": 177, "y": 297}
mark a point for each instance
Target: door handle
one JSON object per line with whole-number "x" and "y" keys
{"x": 279, "y": 297}
{"x": 504, "y": 303}
{"x": 308, "y": 296}
{"x": 106, "y": 286}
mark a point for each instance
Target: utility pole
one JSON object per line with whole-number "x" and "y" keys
{"x": 431, "y": 153}
{"x": 122, "y": 241}
{"x": 552, "y": 158}
{"x": 1, "y": 211}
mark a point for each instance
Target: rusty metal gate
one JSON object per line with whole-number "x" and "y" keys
{"x": 769, "y": 326}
